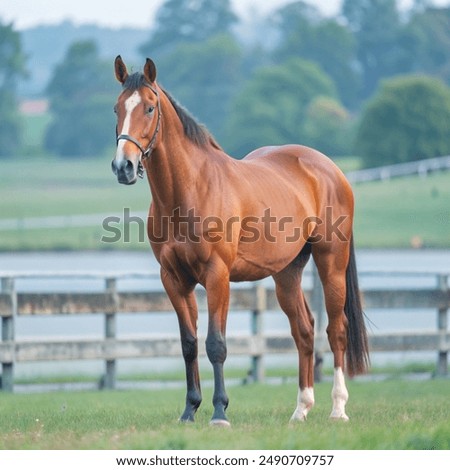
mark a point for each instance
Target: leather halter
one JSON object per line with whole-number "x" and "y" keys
{"x": 145, "y": 152}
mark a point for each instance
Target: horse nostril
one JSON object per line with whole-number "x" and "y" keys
{"x": 122, "y": 166}
{"x": 128, "y": 166}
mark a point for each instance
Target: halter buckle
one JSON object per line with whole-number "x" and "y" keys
{"x": 140, "y": 170}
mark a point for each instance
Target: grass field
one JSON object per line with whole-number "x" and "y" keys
{"x": 388, "y": 214}
{"x": 393, "y": 414}
{"x": 393, "y": 213}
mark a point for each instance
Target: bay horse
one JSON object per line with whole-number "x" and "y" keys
{"x": 214, "y": 219}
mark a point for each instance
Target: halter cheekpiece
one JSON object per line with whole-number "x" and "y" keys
{"x": 145, "y": 152}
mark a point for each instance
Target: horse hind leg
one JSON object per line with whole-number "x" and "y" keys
{"x": 346, "y": 329}
{"x": 331, "y": 266}
{"x": 293, "y": 303}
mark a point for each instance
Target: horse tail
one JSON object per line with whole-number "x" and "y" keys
{"x": 357, "y": 345}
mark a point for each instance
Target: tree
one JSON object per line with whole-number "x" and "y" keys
{"x": 204, "y": 77}
{"x": 198, "y": 58}
{"x": 81, "y": 92}
{"x": 188, "y": 21}
{"x": 305, "y": 34}
{"x": 12, "y": 68}
{"x": 272, "y": 106}
{"x": 327, "y": 126}
{"x": 376, "y": 27}
{"x": 408, "y": 119}
{"x": 426, "y": 43}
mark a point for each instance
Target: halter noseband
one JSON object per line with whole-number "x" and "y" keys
{"x": 145, "y": 153}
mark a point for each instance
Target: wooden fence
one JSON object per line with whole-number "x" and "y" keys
{"x": 382, "y": 173}
{"x": 256, "y": 299}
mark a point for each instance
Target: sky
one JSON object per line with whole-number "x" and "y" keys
{"x": 135, "y": 13}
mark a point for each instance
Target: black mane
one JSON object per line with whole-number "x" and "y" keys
{"x": 195, "y": 132}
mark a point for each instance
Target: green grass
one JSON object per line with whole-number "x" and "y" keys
{"x": 385, "y": 415}
{"x": 393, "y": 213}
{"x": 388, "y": 214}
{"x": 39, "y": 187}
{"x": 34, "y": 187}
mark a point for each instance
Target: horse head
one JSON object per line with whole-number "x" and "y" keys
{"x": 138, "y": 120}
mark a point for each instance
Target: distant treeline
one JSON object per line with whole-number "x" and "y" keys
{"x": 372, "y": 81}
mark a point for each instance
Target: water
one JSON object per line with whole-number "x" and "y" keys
{"x": 92, "y": 327}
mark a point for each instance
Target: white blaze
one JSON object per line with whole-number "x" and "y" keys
{"x": 130, "y": 104}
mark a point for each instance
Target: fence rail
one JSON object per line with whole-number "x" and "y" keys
{"x": 256, "y": 299}
{"x": 419, "y": 167}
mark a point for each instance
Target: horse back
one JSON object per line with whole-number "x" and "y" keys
{"x": 303, "y": 169}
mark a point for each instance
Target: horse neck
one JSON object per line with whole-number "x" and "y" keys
{"x": 176, "y": 164}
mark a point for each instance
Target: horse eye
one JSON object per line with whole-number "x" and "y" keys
{"x": 150, "y": 109}
{"x": 115, "y": 109}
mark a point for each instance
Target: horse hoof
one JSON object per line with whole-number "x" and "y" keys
{"x": 339, "y": 417}
{"x": 299, "y": 416}
{"x": 186, "y": 421}
{"x": 186, "y": 418}
{"x": 220, "y": 423}
{"x": 296, "y": 420}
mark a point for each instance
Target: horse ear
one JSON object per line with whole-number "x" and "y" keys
{"x": 150, "y": 70}
{"x": 120, "y": 69}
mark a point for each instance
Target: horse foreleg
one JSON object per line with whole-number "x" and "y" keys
{"x": 184, "y": 303}
{"x": 218, "y": 295}
{"x": 305, "y": 332}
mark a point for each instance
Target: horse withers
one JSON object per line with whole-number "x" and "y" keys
{"x": 214, "y": 219}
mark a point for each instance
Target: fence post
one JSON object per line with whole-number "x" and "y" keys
{"x": 442, "y": 324}
{"x": 7, "y": 378}
{"x": 109, "y": 381}
{"x": 318, "y": 307}
{"x": 260, "y": 304}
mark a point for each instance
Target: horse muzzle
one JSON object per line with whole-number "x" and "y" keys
{"x": 125, "y": 171}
